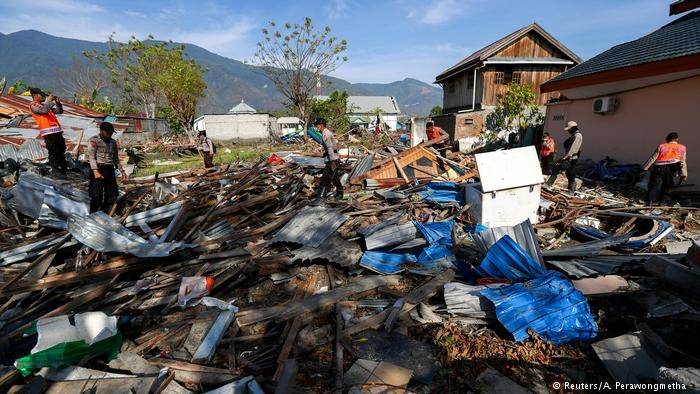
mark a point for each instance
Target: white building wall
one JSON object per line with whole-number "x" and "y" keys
{"x": 235, "y": 126}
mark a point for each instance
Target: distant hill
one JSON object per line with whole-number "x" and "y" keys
{"x": 34, "y": 57}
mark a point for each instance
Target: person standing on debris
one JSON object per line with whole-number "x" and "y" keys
{"x": 667, "y": 161}
{"x": 103, "y": 155}
{"x": 548, "y": 152}
{"x": 568, "y": 162}
{"x": 206, "y": 147}
{"x": 331, "y": 172}
{"x": 44, "y": 110}
{"x": 434, "y": 132}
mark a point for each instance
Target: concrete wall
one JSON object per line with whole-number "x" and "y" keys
{"x": 242, "y": 127}
{"x": 641, "y": 121}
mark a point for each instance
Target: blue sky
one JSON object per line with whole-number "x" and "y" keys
{"x": 388, "y": 39}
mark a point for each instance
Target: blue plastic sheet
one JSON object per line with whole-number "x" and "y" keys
{"x": 386, "y": 263}
{"x": 443, "y": 193}
{"x": 315, "y": 134}
{"x": 506, "y": 259}
{"x": 550, "y": 305}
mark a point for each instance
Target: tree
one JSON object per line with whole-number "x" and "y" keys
{"x": 436, "y": 110}
{"x": 183, "y": 85}
{"x": 517, "y": 107}
{"x": 152, "y": 74}
{"x": 84, "y": 79}
{"x": 334, "y": 110}
{"x": 18, "y": 87}
{"x": 295, "y": 57}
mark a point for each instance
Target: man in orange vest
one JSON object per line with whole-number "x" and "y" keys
{"x": 433, "y": 132}
{"x": 548, "y": 152}
{"x": 667, "y": 161}
{"x": 44, "y": 110}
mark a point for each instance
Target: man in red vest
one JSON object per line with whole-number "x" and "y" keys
{"x": 44, "y": 110}
{"x": 667, "y": 161}
{"x": 434, "y": 133}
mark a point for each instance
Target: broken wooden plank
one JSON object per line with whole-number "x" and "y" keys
{"x": 208, "y": 346}
{"x": 290, "y": 310}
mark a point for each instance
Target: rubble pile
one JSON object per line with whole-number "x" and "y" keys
{"x": 431, "y": 273}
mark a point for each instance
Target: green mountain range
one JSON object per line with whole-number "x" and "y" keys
{"x": 37, "y": 59}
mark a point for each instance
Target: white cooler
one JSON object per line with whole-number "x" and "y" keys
{"x": 509, "y": 191}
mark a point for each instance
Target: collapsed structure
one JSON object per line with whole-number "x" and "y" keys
{"x": 234, "y": 280}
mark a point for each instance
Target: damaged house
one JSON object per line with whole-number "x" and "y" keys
{"x": 362, "y": 111}
{"x": 628, "y": 98}
{"x": 471, "y": 87}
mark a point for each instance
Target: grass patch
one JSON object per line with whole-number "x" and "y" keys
{"x": 245, "y": 154}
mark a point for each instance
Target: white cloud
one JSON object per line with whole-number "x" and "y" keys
{"x": 62, "y": 6}
{"x": 436, "y": 12}
{"x": 232, "y": 41}
{"x": 417, "y": 61}
{"x": 135, "y": 14}
{"x": 337, "y": 8}
{"x": 442, "y": 11}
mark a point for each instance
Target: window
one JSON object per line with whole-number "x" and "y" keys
{"x": 500, "y": 77}
{"x": 516, "y": 77}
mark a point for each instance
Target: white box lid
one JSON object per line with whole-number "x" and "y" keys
{"x": 507, "y": 169}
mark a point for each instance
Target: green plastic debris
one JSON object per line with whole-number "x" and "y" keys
{"x": 64, "y": 342}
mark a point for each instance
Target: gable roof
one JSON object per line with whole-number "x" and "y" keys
{"x": 494, "y": 47}
{"x": 677, "y": 39}
{"x": 242, "y": 108}
{"x": 367, "y": 104}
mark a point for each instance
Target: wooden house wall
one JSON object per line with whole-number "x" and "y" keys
{"x": 462, "y": 94}
{"x": 532, "y": 75}
{"x": 531, "y": 45}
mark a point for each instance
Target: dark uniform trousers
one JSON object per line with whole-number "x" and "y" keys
{"x": 660, "y": 180}
{"x": 331, "y": 176}
{"x": 103, "y": 192}
{"x": 56, "y": 145}
{"x": 208, "y": 159}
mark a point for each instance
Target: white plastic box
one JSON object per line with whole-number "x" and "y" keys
{"x": 509, "y": 191}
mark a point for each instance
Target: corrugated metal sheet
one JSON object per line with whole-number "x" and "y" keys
{"x": 334, "y": 249}
{"x": 466, "y": 300}
{"x": 104, "y": 234}
{"x": 506, "y": 259}
{"x": 21, "y": 104}
{"x": 362, "y": 166}
{"x": 153, "y": 215}
{"x": 523, "y": 234}
{"x": 549, "y": 305}
{"x": 386, "y": 263}
{"x": 31, "y": 250}
{"x": 591, "y": 248}
{"x": 593, "y": 266}
{"x": 311, "y": 226}
{"x": 391, "y": 236}
{"x": 49, "y": 200}
{"x": 627, "y": 359}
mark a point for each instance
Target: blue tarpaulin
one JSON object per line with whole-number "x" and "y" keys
{"x": 506, "y": 259}
{"x": 433, "y": 259}
{"x": 550, "y": 305}
{"x": 386, "y": 263}
{"x": 315, "y": 134}
{"x": 442, "y": 192}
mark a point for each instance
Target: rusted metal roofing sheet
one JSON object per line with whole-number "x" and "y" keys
{"x": 311, "y": 226}
{"x": 21, "y": 104}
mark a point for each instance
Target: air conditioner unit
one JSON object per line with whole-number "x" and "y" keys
{"x": 603, "y": 105}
